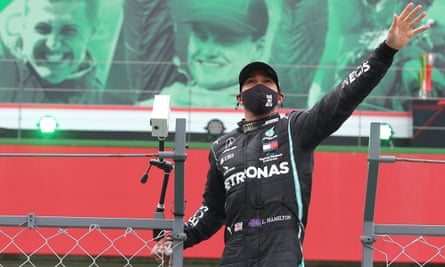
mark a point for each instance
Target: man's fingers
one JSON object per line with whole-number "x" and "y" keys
{"x": 162, "y": 250}
{"x": 413, "y": 13}
{"x": 406, "y": 11}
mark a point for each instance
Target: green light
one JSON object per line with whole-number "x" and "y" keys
{"x": 386, "y": 132}
{"x": 47, "y": 124}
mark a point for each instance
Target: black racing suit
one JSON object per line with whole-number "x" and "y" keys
{"x": 260, "y": 176}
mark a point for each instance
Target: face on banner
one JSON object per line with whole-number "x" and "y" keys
{"x": 215, "y": 54}
{"x": 55, "y": 37}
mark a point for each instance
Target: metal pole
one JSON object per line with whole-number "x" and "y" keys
{"x": 368, "y": 237}
{"x": 178, "y": 222}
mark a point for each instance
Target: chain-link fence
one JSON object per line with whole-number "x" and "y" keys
{"x": 94, "y": 244}
{"x": 96, "y": 238}
{"x": 415, "y": 243}
{"x": 418, "y": 249}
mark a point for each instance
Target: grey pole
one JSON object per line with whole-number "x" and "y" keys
{"x": 178, "y": 222}
{"x": 368, "y": 237}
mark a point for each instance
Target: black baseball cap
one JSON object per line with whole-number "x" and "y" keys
{"x": 257, "y": 66}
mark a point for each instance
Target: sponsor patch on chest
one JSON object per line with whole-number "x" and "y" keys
{"x": 252, "y": 172}
{"x": 269, "y": 141}
{"x": 270, "y": 146}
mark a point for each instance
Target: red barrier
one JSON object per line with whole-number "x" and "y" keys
{"x": 110, "y": 187}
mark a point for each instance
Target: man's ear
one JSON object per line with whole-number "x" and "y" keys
{"x": 280, "y": 98}
{"x": 239, "y": 99}
{"x": 95, "y": 26}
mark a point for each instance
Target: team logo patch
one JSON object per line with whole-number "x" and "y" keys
{"x": 269, "y": 132}
{"x": 229, "y": 142}
{"x": 270, "y": 142}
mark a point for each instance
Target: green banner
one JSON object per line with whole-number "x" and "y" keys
{"x": 123, "y": 52}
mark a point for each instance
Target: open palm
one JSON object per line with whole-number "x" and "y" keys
{"x": 403, "y": 27}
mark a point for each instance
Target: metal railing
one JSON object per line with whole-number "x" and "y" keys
{"x": 372, "y": 230}
{"x": 129, "y": 225}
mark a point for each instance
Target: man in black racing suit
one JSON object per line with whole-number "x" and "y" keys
{"x": 260, "y": 176}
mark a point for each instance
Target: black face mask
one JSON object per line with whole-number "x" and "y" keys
{"x": 259, "y": 99}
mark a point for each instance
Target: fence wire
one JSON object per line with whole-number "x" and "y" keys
{"x": 418, "y": 250}
{"x": 94, "y": 244}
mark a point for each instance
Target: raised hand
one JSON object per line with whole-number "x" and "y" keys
{"x": 404, "y": 26}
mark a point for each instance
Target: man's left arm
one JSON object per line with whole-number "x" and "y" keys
{"x": 337, "y": 105}
{"x": 334, "y": 108}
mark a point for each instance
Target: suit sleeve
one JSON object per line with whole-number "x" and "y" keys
{"x": 211, "y": 215}
{"x": 317, "y": 123}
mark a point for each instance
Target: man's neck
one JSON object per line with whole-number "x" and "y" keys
{"x": 249, "y": 126}
{"x": 249, "y": 116}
